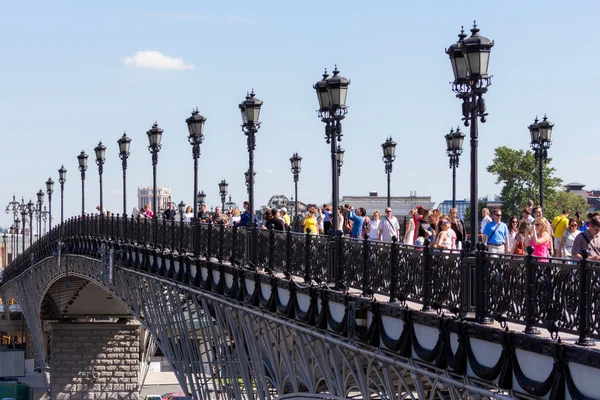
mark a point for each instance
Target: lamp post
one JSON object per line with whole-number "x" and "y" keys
{"x": 223, "y": 185}
{"x": 24, "y": 211}
{"x": 389, "y": 155}
{"x": 296, "y": 163}
{"x": 50, "y": 190}
{"x": 124, "y": 143}
{"x": 195, "y": 125}
{"x": 541, "y": 140}
{"x": 5, "y": 253}
{"x": 82, "y": 159}
{"x": 62, "y": 178}
{"x": 154, "y": 145}
{"x": 14, "y": 207}
{"x": 454, "y": 148}
{"x": 30, "y": 210}
{"x": 100, "y": 151}
{"x": 250, "y": 111}
{"x": 469, "y": 57}
{"x": 331, "y": 94}
{"x": 247, "y": 178}
{"x": 181, "y": 209}
{"x": 15, "y": 238}
{"x": 339, "y": 159}
{"x": 40, "y": 201}
{"x": 201, "y": 198}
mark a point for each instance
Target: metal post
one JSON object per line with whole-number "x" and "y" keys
{"x": 388, "y": 171}
{"x": 83, "y": 194}
{"x": 30, "y": 229}
{"x": 366, "y": 285}
{"x": 426, "y": 277}
{"x": 62, "y": 200}
{"x": 195, "y": 155}
{"x": 530, "y": 279}
{"x": 154, "y": 209}
{"x": 394, "y": 270}
{"x": 584, "y": 302}
{"x": 49, "y": 210}
{"x": 541, "y": 172}
{"x": 124, "y": 167}
{"x": 296, "y": 222}
{"x": 453, "y": 184}
{"x": 100, "y": 170}
{"x": 251, "y": 147}
{"x": 23, "y": 238}
{"x": 474, "y": 133}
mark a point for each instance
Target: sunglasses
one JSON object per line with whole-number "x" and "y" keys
{"x": 538, "y": 224}
{"x": 573, "y": 225}
{"x": 497, "y": 215}
{"x": 515, "y": 222}
{"x": 388, "y": 210}
{"x": 445, "y": 222}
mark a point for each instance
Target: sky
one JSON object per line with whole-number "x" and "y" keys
{"x": 74, "y": 73}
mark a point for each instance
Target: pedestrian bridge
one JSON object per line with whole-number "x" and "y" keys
{"x": 252, "y": 314}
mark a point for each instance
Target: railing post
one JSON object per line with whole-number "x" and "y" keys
{"x": 221, "y": 240}
{"x": 530, "y": 280}
{"x": 288, "y": 255}
{"x": 271, "y": 263}
{"x": 584, "y": 302}
{"x": 366, "y": 289}
{"x": 307, "y": 272}
{"x": 234, "y": 236}
{"x": 164, "y": 235}
{"x": 209, "y": 241}
{"x": 481, "y": 285}
{"x": 337, "y": 261}
{"x": 253, "y": 242}
{"x": 394, "y": 270}
{"x": 426, "y": 276}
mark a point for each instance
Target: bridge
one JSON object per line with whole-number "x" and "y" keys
{"x": 248, "y": 313}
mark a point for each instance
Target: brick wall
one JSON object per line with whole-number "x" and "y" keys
{"x": 94, "y": 361}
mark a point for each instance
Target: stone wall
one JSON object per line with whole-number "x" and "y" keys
{"x": 94, "y": 361}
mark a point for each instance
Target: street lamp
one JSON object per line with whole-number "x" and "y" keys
{"x": 24, "y": 210}
{"x": 62, "y": 178}
{"x": 296, "y": 163}
{"x": 541, "y": 140}
{"x": 40, "y": 201}
{"x": 454, "y": 148}
{"x": 331, "y": 94}
{"x": 389, "y": 155}
{"x": 5, "y": 258}
{"x": 82, "y": 159}
{"x": 469, "y": 57}
{"x": 223, "y": 185}
{"x": 50, "y": 190}
{"x": 124, "y": 143}
{"x": 15, "y": 238}
{"x": 100, "y": 151}
{"x": 30, "y": 210}
{"x": 247, "y": 180}
{"x": 154, "y": 140}
{"x": 201, "y": 198}
{"x": 195, "y": 125}
{"x": 14, "y": 207}
{"x": 250, "y": 111}
{"x": 339, "y": 159}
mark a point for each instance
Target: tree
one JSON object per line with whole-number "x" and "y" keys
{"x": 519, "y": 173}
{"x": 563, "y": 199}
{"x": 481, "y": 205}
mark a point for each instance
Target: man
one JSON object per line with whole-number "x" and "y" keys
{"x": 388, "y": 227}
{"x": 529, "y": 206}
{"x": 170, "y": 213}
{"x": 276, "y": 222}
{"x": 327, "y": 218}
{"x": 458, "y": 226}
{"x": 218, "y": 217}
{"x": 485, "y": 213}
{"x": 203, "y": 215}
{"x": 245, "y": 218}
{"x": 560, "y": 223}
{"x": 589, "y": 240}
{"x": 102, "y": 212}
{"x": 526, "y": 216}
{"x": 285, "y": 215}
{"x": 495, "y": 235}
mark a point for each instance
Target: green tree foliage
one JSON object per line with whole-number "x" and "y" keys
{"x": 563, "y": 199}
{"x": 467, "y": 217}
{"x": 519, "y": 173}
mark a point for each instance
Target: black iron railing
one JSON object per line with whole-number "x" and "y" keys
{"x": 537, "y": 292}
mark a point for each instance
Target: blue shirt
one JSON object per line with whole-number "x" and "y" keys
{"x": 499, "y": 237}
{"x": 357, "y": 223}
{"x": 245, "y": 218}
{"x": 327, "y": 215}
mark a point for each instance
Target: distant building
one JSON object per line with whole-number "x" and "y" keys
{"x": 163, "y": 196}
{"x": 461, "y": 206}
{"x": 401, "y": 205}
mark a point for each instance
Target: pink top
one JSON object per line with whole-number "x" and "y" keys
{"x": 541, "y": 250}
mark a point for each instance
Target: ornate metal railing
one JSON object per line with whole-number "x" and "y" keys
{"x": 537, "y": 292}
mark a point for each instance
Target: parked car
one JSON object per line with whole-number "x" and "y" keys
{"x": 176, "y": 396}
{"x": 153, "y": 397}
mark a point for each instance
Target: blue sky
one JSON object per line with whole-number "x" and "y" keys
{"x": 66, "y": 85}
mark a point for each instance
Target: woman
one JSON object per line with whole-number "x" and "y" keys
{"x": 266, "y": 218}
{"x": 340, "y": 219}
{"x": 236, "y": 217}
{"x": 539, "y": 237}
{"x": 189, "y": 214}
{"x": 310, "y": 222}
{"x": 446, "y": 238}
{"x": 566, "y": 242}
{"x": 276, "y": 222}
{"x": 423, "y": 226}
{"x": 374, "y": 225}
{"x": 458, "y": 226}
{"x": 521, "y": 238}
{"x": 409, "y": 232}
{"x": 321, "y": 220}
{"x": 513, "y": 231}
{"x": 580, "y": 222}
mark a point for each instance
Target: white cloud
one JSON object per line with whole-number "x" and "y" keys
{"x": 156, "y": 60}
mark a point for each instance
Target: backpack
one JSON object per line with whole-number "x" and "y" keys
{"x": 520, "y": 246}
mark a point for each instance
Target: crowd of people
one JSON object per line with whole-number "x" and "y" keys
{"x": 565, "y": 237}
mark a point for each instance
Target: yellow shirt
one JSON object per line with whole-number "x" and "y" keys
{"x": 311, "y": 222}
{"x": 286, "y": 218}
{"x": 560, "y": 224}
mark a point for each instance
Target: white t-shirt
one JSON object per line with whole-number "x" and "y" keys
{"x": 374, "y": 229}
{"x": 484, "y": 222}
{"x": 388, "y": 228}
